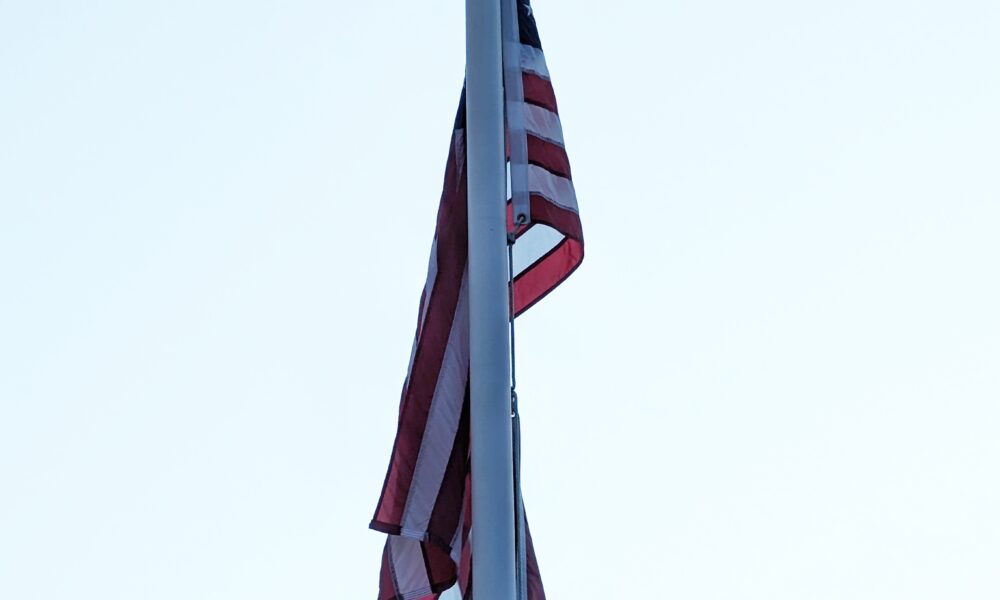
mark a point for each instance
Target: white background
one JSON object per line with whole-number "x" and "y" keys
{"x": 775, "y": 375}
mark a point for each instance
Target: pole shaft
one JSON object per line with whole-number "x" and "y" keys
{"x": 492, "y": 469}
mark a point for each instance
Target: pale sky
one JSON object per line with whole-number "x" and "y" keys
{"x": 776, "y": 375}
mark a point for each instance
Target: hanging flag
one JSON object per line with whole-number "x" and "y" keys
{"x": 425, "y": 503}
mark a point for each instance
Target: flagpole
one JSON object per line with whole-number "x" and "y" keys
{"x": 493, "y": 573}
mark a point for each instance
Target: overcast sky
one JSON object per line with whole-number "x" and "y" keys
{"x": 776, "y": 375}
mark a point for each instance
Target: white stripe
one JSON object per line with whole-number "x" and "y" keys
{"x": 544, "y": 123}
{"x": 554, "y": 188}
{"x": 408, "y": 570}
{"x": 533, "y": 61}
{"x": 534, "y": 244}
{"x": 442, "y": 421}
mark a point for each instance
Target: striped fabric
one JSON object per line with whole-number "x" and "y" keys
{"x": 425, "y": 502}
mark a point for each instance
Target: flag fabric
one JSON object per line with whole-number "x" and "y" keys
{"x": 425, "y": 504}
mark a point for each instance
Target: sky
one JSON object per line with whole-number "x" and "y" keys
{"x": 775, "y": 375}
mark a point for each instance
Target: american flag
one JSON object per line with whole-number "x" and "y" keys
{"x": 426, "y": 498}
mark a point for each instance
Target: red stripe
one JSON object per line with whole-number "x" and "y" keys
{"x": 420, "y": 311}
{"x": 535, "y": 589}
{"x": 538, "y": 91}
{"x": 441, "y": 572}
{"x": 549, "y": 271}
{"x": 549, "y": 156}
{"x": 465, "y": 560}
{"x": 452, "y": 233}
{"x": 535, "y": 283}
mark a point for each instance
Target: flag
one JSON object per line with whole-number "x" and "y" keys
{"x": 425, "y": 503}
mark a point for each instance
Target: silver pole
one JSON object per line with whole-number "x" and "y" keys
{"x": 493, "y": 574}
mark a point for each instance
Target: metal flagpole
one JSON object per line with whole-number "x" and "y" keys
{"x": 493, "y": 573}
